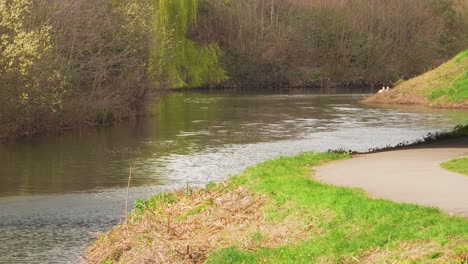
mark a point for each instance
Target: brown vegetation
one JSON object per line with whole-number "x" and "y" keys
{"x": 90, "y": 70}
{"x": 66, "y": 64}
{"x": 328, "y": 43}
{"x": 194, "y": 225}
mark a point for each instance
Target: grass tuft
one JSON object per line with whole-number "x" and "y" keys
{"x": 459, "y": 165}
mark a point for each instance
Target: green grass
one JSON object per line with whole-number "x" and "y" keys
{"x": 461, "y": 56}
{"x": 459, "y": 165}
{"x": 452, "y": 79}
{"x": 351, "y": 224}
{"x": 458, "y": 90}
{"x": 293, "y": 219}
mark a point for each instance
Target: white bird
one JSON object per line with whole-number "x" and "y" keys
{"x": 381, "y": 90}
{"x": 388, "y": 88}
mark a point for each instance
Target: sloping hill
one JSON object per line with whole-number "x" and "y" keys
{"x": 444, "y": 87}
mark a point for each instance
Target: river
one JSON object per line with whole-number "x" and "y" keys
{"x": 56, "y": 192}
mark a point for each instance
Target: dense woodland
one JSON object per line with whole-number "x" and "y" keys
{"x": 332, "y": 42}
{"x": 70, "y": 63}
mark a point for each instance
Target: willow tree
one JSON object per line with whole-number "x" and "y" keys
{"x": 175, "y": 60}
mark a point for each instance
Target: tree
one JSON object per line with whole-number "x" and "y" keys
{"x": 176, "y": 61}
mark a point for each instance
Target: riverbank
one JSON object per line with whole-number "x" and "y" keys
{"x": 275, "y": 212}
{"x": 444, "y": 87}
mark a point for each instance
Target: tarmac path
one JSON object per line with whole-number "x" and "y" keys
{"x": 411, "y": 175}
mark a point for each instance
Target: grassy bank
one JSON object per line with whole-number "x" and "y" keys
{"x": 275, "y": 212}
{"x": 459, "y": 165}
{"x": 445, "y": 86}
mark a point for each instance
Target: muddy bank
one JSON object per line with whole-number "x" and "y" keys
{"x": 397, "y": 97}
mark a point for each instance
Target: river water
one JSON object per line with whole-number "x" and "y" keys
{"x": 56, "y": 192}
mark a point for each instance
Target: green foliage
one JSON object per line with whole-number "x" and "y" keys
{"x": 211, "y": 185}
{"x": 458, "y": 131}
{"x": 257, "y": 236}
{"x": 353, "y": 224}
{"x": 195, "y": 210}
{"x": 461, "y": 249}
{"x": 154, "y": 201}
{"x": 459, "y": 165}
{"x": 65, "y": 64}
{"x": 175, "y": 60}
{"x": 31, "y": 83}
{"x": 435, "y": 255}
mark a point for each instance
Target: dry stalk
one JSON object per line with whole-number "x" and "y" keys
{"x": 128, "y": 189}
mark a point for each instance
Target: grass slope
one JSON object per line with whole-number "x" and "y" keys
{"x": 459, "y": 165}
{"x": 328, "y": 224}
{"x": 454, "y": 85}
{"x": 445, "y": 86}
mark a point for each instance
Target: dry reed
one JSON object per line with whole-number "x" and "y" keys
{"x": 195, "y": 225}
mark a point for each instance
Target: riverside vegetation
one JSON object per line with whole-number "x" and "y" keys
{"x": 275, "y": 212}
{"x": 65, "y": 64}
{"x": 445, "y": 86}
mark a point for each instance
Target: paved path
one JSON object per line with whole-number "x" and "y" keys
{"x": 411, "y": 175}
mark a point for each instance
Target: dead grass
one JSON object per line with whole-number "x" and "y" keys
{"x": 396, "y": 97}
{"x": 197, "y": 224}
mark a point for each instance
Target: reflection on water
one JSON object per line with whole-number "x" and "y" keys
{"x": 56, "y": 190}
